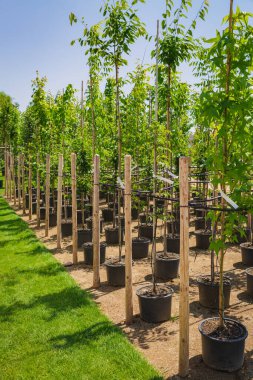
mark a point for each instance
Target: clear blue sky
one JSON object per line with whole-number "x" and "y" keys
{"x": 36, "y": 35}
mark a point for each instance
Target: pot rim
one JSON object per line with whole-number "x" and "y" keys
{"x": 244, "y": 337}
{"x": 90, "y": 244}
{"x": 203, "y": 233}
{"x": 169, "y": 294}
{"x": 242, "y": 245}
{"x": 141, "y": 240}
{"x": 247, "y": 271}
{"x": 110, "y": 228}
{"x": 208, "y": 275}
{"x": 109, "y": 263}
{"x": 167, "y": 258}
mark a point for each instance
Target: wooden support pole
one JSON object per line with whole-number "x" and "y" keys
{"x": 10, "y": 177}
{"x": 47, "y": 195}
{"x": 19, "y": 183}
{"x": 30, "y": 190}
{"x": 23, "y": 181}
{"x": 14, "y": 180}
{"x": 96, "y": 223}
{"x": 38, "y": 191}
{"x": 59, "y": 200}
{"x": 128, "y": 243}
{"x": 184, "y": 268}
{"x": 5, "y": 172}
{"x": 74, "y": 209}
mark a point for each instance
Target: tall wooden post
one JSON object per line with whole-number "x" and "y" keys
{"x": 10, "y": 177}
{"x": 38, "y": 191}
{"x": 128, "y": 243}
{"x": 59, "y": 200}
{"x": 19, "y": 184}
{"x": 184, "y": 267}
{"x": 30, "y": 190}
{"x": 47, "y": 194}
{"x": 23, "y": 182}
{"x": 96, "y": 223}
{"x": 14, "y": 179}
{"x": 5, "y": 171}
{"x": 74, "y": 211}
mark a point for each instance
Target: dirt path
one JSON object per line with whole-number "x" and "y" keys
{"x": 159, "y": 342}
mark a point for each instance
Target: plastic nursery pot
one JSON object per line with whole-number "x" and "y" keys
{"x": 209, "y": 291}
{"x": 203, "y": 239}
{"x": 201, "y": 224}
{"x": 66, "y": 228}
{"x": 43, "y": 212}
{"x": 143, "y": 218}
{"x": 88, "y": 253}
{"x": 155, "y": 307}
{"x": 146, "y": 230}
{"x": 115, "y": 271}
{"x": 249, "y": 274}
{"x": 200, "y": 213}
{"x": 134, "y": 213}
{"x": 1, "y": 183}
{"x": 34, "y": 208}
{"x": 173, "y": 243}
{"x": 89, "y": 223}
{"x": 52, "y": 220}
{"x": 112, "y": 235}
{"x": 83, "y": 236}
{"x": 247, "y": 253}
{"x": 167, "y": 265}
{"x": 223, "y": 352}
{"x": 175, "y": 225}
{"x": 140, "y": 248}
{"x": 107, "y": 214}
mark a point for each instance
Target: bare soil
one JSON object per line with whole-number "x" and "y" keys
{"x": 159, "y": 342}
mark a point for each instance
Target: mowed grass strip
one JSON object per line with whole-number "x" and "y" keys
{"x": 49, "y": 327}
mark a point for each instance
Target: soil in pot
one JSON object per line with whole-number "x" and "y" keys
{"x": 155, "y": 307}
{"x": 88, "y": 253}
{"x": 140, "y": 247}
{"x": 223, "y": 347}
{"x": 247, "y": 253}
{"x": 173, "y": 243}
{"x": 167, "y": 265}
{"x": 115, "y": 271}
{"x": 66, "y": 228}
{"x": 249, "y": 274}
{"x": 209, "y": 291}
{"x": 203, "y": 239}
{"x": 146, "y": 230}
{"x": 107, "y": 214}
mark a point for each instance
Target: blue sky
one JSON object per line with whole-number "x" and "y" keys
{"x": 36, "y": 35}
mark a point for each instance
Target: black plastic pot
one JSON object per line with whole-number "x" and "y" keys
{"x": 34, "y": 207}
{"x": 107, "y": 214}
{"x": 115, "y": 273}
{"x": 247, "y": 253}
{"x": 203, "y": 239}
{"x": 176, "y": 226}
{"x": 167, "y": 266}
{"x": 146, "y": 230}
{"x": 52, "y": 220}
{"x": 140, "y": 247}
{"x": 112, "y": 235}
{"x": 134, "y": 213}
{"x": 43, "y": 212}
{"x": 143, "y": 218}
{"x": 173, "y": 243}
{"x": 83, "y": 236}
{"x": 223, "y": 354}
{"x": 1, "y": 183}
{"x": 154, "y": 308}
{"x": 209, "y": 292}
{"x": 200, "y": 213}
{"x": 66, "y": 228}
{"x": 249, "y": 274}
{"x": 89, "y": 223}
{"x": 88, "y": 253}
{"x": 201, "y": 224}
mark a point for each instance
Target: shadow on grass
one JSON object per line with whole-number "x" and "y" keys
{"x": 48, "y": 270}
{"x": 59, "y": 302}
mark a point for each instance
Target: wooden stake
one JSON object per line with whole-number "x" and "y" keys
{"x": 14, "y": 180}
{"x": 38, "y": 191}
{"x": 47, "y": 194}
{"x": 5, "y": 171}
{"x": 23, "y": 181}
{"x": 59, "y": 200}
{"x": 19, "y": 184}
{"x": 128, "y": 243}
{"x": 74, "y": 211}
{"x": 184, "y": 268}
{"x": 96, "y": 223}
{"x": 10, "y": 177}
{"x": 30, "y": 190}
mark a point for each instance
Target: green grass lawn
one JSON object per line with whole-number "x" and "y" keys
{"x": 49, "y": 327}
